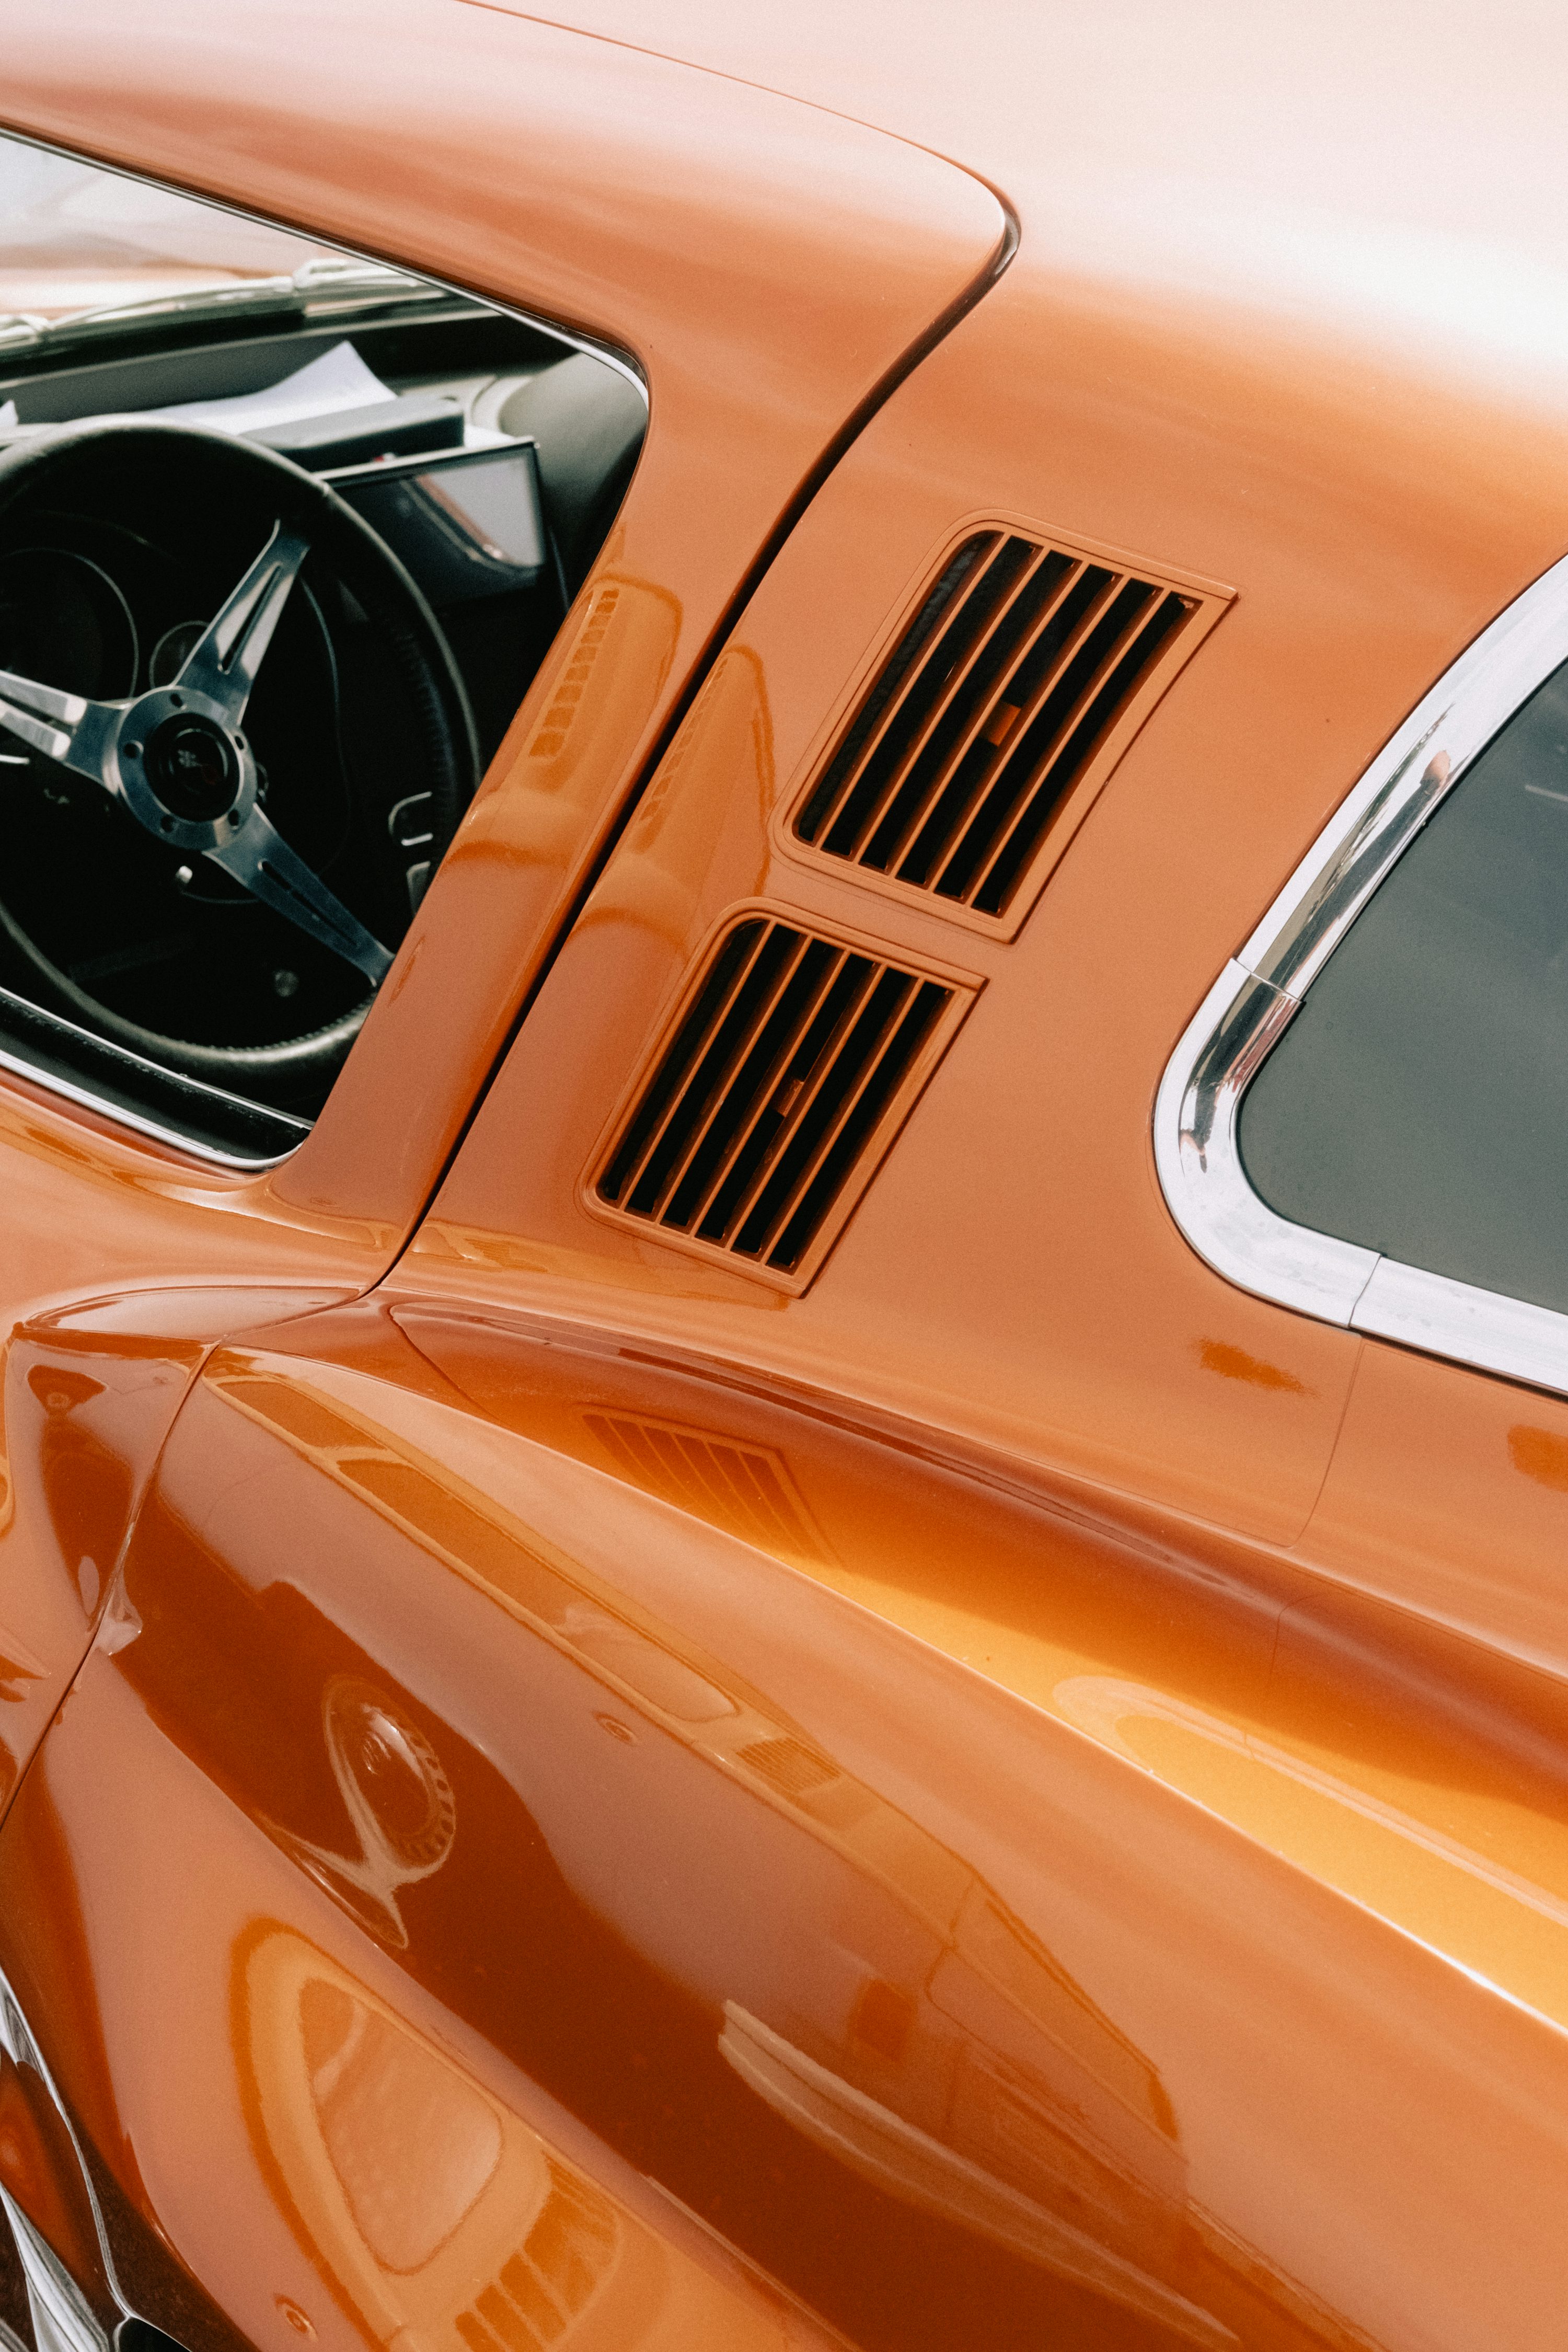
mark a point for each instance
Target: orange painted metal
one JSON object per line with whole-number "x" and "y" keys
{"x": 1443, "y": 1501}
{"x": 761, "y": 328}
{"x": 1018, "y": 1792}
{"x": 1011, "y": 1287}
{"x": 576, "y": 1822}
{"x": 89, "y": 1391}
{"x": 1013, "y": 1273}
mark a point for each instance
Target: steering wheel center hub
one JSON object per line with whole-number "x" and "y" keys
{"x": 193, "y": 767}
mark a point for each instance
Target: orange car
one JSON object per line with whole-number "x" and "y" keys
{"x": 783, "y": 953}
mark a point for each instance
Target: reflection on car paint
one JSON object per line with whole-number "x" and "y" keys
{"x": 87, "y": 1394}
{"x": 671, "y": 846}
{"x": 603, "y": 680}
{"x": 442, "y": 2218}
{"x": 975, "y": 2081}
{"x": 83, "y": 1410}
{"x": 786, "y": 1998}
{"x": 1355, "y": 1748}
{"x": 746, "y": 1489}
{"x": 399, "y": 1799}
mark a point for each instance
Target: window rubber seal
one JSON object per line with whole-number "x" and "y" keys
{"x": 1197, "y": 1109}
{"x": 157, "y": 1104}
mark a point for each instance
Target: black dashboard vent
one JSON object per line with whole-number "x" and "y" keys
{"x": 1024, "y": 664}
{"x": 785, "y": 1080}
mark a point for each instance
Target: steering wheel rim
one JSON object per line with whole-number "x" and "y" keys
{"x": 305, "y": 508}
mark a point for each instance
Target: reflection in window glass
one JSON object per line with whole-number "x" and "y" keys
{"x": 1418, "y": 1102}
{"x": 76, "y": 238}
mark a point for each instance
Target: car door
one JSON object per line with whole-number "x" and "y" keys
{"x": 610, "y": 232}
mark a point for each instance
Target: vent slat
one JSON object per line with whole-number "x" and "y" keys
{"x": 1098, "y": 647}
{"x": 1021, "y": 662}
{"x": 784, "y": 1074}
{"x": 1095, "y": 710}
{"x": 960, "y": 592}
{"x": 964, "y": 778}
{"x": 820, "y": 1070}
{"x": 999, "y": 599}
{"x": 647, "y": 1131}
{"x": 791, "y": 1221}
{"x": 973, "y": 699}
{"x": 1064, "y": 633}
{"x": 854, "y": 1053}
{"x": 746, "y": 1162}
{"x": 945, "y": 807}
{"x": 668, "y": 1163}
{"x": 740, "y": 1077}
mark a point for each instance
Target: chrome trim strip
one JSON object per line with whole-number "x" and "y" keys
{"x": 1451, "y": 725}
{"x": 63, "y": 2319}
{"x": 52, "y": 1030}
{"x": 1201, "y": 1173}
{"x": 69, "y": 1090}
{"x": 1452, "y": 1318}
{"x": 1247, "y": 1010}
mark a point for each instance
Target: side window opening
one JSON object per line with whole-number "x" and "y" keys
{"x": 1417, "y": 1104}
{"x": 1366, "y": 1119}
{"x": 284, "y": 538}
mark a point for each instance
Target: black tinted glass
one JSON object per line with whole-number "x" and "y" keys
{"x": 1418, "y": 1102}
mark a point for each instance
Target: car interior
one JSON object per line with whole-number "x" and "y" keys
{"x": 279, "y": 559}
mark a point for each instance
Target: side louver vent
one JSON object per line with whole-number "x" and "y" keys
{"x": 782, "y": 1084}
{"x": 1026, "y": 666}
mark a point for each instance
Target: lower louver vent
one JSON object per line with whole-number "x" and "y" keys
{"x": 1025, "y": 665}
{"x": 784, "y": 1083}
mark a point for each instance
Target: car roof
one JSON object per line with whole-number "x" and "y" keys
{"x": 1393, "y": 174}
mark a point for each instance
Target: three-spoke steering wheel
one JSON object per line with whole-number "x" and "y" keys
{"x": 177, "y": 757}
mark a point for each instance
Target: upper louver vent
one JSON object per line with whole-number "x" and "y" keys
{"x": 782, "y": 1084}
{"x": 1024, "y": 665}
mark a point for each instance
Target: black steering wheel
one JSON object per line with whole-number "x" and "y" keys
{"x": 174, "y": 755}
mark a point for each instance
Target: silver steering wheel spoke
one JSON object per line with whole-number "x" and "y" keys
{"x": 176, "y": 759}
{"x": 224, "y": 662}
{"x": 259, "y": 857}
{"x": 66, "y": 727}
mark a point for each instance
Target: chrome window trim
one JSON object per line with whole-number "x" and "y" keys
{"x": 152, "y": 1130}
{"x": 1254, "y": 998}
{"x": 79, "y": 1092}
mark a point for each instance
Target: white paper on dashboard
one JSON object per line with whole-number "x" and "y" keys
{"x": 338, "y": 380}
{"x": 8, "y": 413}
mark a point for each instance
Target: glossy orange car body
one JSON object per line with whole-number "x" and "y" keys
{"x": 1013, "y": 1795}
